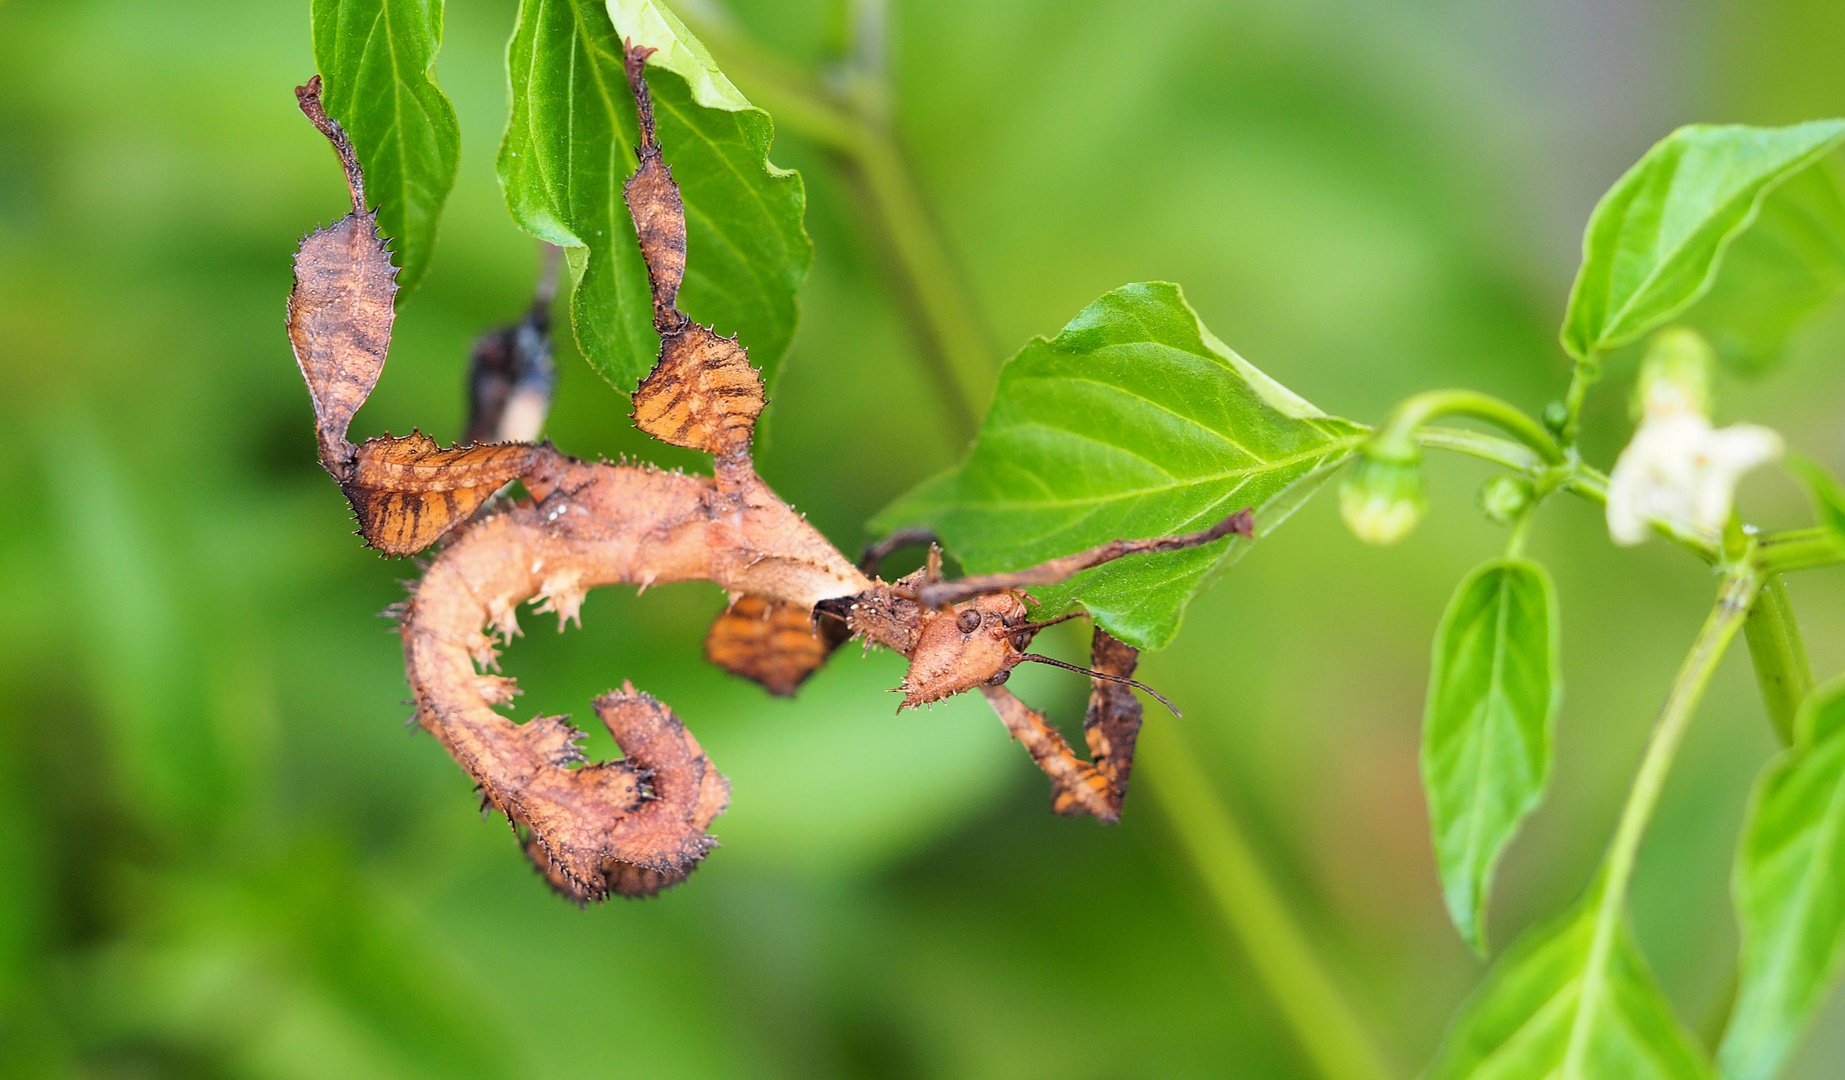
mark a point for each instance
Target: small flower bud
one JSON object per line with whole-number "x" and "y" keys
{"x": 1556, "y": 417}
{"x": 1674, "y": 374}
{"x": 1505, "y": 497}
{"x": 1381, "y": 499}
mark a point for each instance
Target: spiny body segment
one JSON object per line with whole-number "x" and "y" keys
{"x": 636, "y": 825}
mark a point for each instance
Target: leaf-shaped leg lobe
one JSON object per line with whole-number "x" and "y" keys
{"x": 1077, "y": 787}
{"x": 408, "y": 492}
{"x": 703, "y": 394}
{"x": 340, "y": 309}
{"x": 339, "y": 322}
{"x": 772, "y": 642}
{"x": 1112, "y": 725}
{"x": 1111, "y": 728}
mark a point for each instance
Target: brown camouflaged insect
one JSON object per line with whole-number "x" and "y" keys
{"x": 636, "y": 825}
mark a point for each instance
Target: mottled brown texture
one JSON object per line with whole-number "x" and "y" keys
{"x": 593, "y": 524}
{"x": 407, "y": 493}
{"x": 654, "y": 203}
{"x": 638, "y": 824}
{"x": 702, "y": 394}
{"x": 1077, "y": 787}
{"x": 659, "y": 223}
{"x": 772, "y": 642}
{"x": 966, "y": 646}
{"x": 340, "y": 310}
{"x": 1098, "y": 787}
{"x": 939, "y": 594}
{"x": 1112, "y": 725}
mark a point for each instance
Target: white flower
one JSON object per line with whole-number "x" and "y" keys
{"x": 1679, "y": 470}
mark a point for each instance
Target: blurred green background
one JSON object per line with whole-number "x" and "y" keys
{"x": 224, "y": 855}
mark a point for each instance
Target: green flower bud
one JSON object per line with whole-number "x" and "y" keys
{"x": 1556, "y": 417}
{"x": 1675, "y": 374}
{"x": 1505, "y": 497}
{"x": 1381, "y": 499}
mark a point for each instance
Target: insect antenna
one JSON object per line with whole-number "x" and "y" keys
{"x": 1155, "y": 694}
{"x": 1034, "y": 627}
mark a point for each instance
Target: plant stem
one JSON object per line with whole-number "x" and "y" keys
{"x": 1397, "y": 436}
{"x": 1592, "y": 484}
{"x": 1515, "y": 456}
{"x": 1582, "y": 376}
{"x": 954, "y": 341}
{"x": 1780, "y": 656}
{"x": 1252, "y": 908}
{"x": 1694, "y": 675}
{"x": 1798, "y": 549}
{"x": 1733, "y": 604}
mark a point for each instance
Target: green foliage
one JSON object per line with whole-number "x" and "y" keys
{"x": 1824, "y": 489}
{"x": 377, "y": 63}
{"x": 1783, "y": 267}
{"x": 1790, "y": 893}
{"x": 569, "y": 148}
{"x": 1571, "y": 1000}
{"x": 1658, "y": 237}
{"x": 1134, "y": 421}
{"x": 228, "y": 860}
{"x": 1494, "y": 691}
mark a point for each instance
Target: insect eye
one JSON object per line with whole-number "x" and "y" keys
{"x": 969, "y": 620}
{"x": 1000, "y": 678}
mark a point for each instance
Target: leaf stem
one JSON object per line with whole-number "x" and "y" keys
{"x": 1521, "y": 530}
{"x": 1592, "y": 484}
{"x": 1798, "y": 549}
{"x": 1780, "y": 656}
{"x": 1397, "y": 437}
{"x": 1251, "y": 907}
{"x": 1733, "y": 603}
{"x": 1587, "y": 371}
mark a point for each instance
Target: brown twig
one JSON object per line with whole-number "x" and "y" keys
{"x": 939, "y": 594}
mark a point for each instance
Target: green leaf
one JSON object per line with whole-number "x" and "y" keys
{"x": 377, "y": 63}
{"x": 1572, "y": 1000}
{"x": 1779, "y": 272}
{"x": 1494, "y": 690}
{"x": 1789, "y": 886}
{"x": 1135, "y": 421}
{"x": 1824, "y": 489}
{"x": 569, "y": 149}
{"x": 1656, "y": 240}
